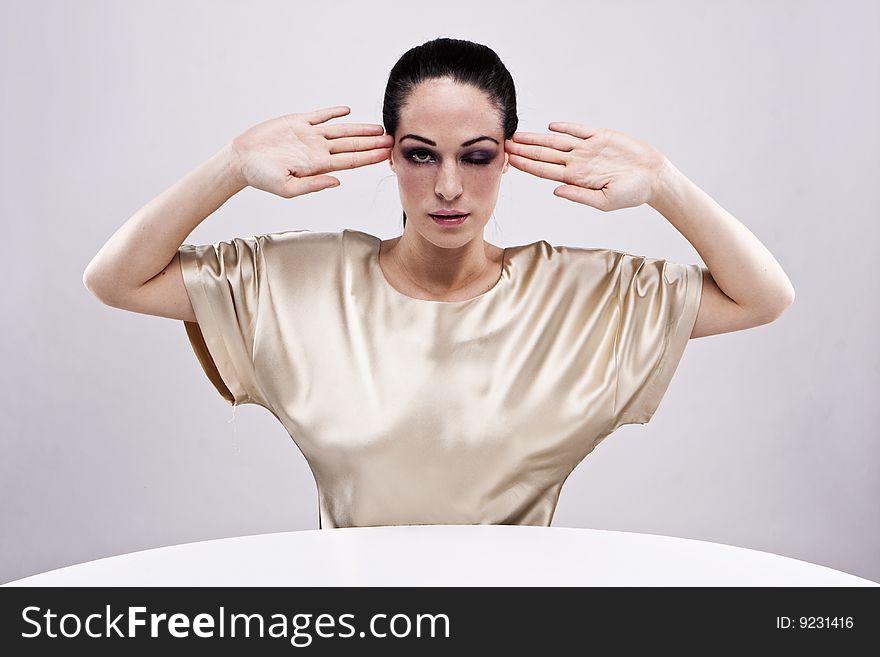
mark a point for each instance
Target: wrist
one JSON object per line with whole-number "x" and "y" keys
{"x": 667, "y": 187}
{"x": 230, "y": 169}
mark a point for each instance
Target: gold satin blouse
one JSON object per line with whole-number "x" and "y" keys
{"x": 412, "y": 411}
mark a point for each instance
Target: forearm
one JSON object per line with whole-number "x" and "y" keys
{"x": 145, "y": 244}
{"x": 739, "y": 263}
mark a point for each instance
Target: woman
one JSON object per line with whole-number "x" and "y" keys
{"x": 434, "y": 377}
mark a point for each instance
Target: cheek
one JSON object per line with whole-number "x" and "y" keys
{"x": 413, "y": 177}
{"x": 485, "y": 181}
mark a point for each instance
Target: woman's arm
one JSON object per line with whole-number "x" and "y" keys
{"x": 744, "y": 285}
{"x": 289, "y": 156}
{"x": 145, "y": 244}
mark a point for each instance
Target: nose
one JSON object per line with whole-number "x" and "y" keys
{"x": 448, "y": 183}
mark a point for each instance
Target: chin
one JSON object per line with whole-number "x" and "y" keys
{"x": 452, "y": 237}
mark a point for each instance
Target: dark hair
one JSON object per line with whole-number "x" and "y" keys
{"x": 463, "y": 61}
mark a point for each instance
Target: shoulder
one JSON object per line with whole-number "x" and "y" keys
{"x": 578, "y": 259}
{"x": 299, "y": 238}
{"x": 604, "y": 267}
{"x": 292, "y": 246}
{"x": 623, "y": 263}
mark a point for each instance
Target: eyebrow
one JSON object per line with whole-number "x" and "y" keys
{"x": 433, "y": 143}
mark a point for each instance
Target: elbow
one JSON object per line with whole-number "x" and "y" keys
{"x": 88, "y": 281}
{"x": 787, "y": 298}
{"x": 92, "y": 283}
{"x": 90, "y": 277}
{"x": 775, "y": 311}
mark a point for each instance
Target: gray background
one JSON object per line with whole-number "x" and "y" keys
{"x": 114, "y": 440}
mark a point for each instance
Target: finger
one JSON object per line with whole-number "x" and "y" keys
{"x": 336, "y": 130}
{"x": 538, "y": 153}
{"x": 592, "y": 197}
{"x": 356, "y": 144}
{"x": 540, "y": 169}
{"x": 574, "y": 129}
{"x": 349, "y": 160}
{"x": 294, "y": 186}
{"x": 326, "y": 113}
{"x": 558, "y": 142}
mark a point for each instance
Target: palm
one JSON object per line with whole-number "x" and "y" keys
{"x": 602, "y": 168}
{"x": 290, "y": 155}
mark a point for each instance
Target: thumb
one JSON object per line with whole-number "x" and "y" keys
{"x": 299, "y": 186}
{"x": 592, "y": 197}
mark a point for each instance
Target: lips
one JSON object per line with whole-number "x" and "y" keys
{"x": 448, "y": 213}
{"x": 449, "y": 220}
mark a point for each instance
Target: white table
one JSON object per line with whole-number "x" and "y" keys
{"x": 447, "y": 555}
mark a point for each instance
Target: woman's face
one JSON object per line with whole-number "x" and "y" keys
{"x": 448, "y": 154}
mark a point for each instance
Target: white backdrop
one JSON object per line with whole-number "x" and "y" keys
{"x": 114, "y": 440}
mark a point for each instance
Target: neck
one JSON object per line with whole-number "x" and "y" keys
{"x": 440, "y": 270}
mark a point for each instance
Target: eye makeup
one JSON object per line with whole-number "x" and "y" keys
{"x": 424, "y": 156}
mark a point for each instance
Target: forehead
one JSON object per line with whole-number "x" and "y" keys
{"x": 444, "y": 110}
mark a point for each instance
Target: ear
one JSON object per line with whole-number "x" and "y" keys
{"x": 391, "y": 161}
{"x": 506, "y": 163}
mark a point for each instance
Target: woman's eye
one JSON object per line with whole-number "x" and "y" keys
{"x": 424, "y": 157}
{"x": 414, "y": 156}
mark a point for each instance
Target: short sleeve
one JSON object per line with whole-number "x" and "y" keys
{"x": 658, "y": 305}
{"x": 224, "y": 281}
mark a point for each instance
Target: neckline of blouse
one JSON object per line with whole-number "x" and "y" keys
{"x": 376, "y": 269}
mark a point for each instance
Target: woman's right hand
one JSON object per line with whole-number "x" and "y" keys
{"x": 288, "y": 155}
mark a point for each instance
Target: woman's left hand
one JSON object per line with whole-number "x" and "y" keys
{"x": 602, "y": 168}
